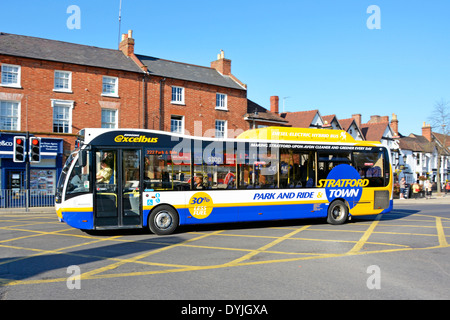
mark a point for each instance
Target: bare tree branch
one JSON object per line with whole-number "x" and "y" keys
{"x": 440, "y": 117}
{"x": 440, "y": 123}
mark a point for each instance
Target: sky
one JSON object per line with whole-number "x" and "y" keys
{"x": 341, "y": 57}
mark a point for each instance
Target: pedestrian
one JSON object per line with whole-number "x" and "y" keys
{"x": 447, "y": 187}
{"x": 416, "y": 189}
{"x": 402, "y": 188}
{"x": 428, "y": 188}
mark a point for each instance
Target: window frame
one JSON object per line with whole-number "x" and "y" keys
{"x": 18, "y": 115}
{"x": 114, "y": 94}
{"x": 177, "y": 118}
{"x": 63, "y": 103}
{"x": 19, "y": 76}
{"x": 221, "y": 101}
{"x": 177, "y": 95}
{"x": 225, "y": 127}
{"x": 115, "y": 123}
{"x": 69, "y": 80}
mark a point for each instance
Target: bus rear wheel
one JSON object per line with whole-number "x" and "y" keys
{"x": 337, "y": 212}
{"x": 163, "y": 220}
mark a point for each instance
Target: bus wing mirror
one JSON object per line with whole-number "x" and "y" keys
{"x": 82, "y": 155}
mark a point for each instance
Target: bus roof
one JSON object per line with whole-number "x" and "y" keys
{"x": 267, "y": 133}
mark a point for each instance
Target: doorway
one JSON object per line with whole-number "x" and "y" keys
{"x": 117, "y": 191}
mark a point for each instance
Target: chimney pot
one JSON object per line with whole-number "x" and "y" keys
{"x": 221, "y": 64}
{"x": 127, "y": 43}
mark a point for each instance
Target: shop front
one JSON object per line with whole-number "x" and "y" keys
{"x": 43, "y": 176}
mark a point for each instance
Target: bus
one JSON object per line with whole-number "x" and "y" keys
{"x": 130, "y": 178}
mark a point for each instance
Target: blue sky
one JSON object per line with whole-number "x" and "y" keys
{"x": 319, "y": 53}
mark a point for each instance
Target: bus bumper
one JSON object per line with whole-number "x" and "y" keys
{"x": 79, "y": 219}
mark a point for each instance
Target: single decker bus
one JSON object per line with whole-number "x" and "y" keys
{"x": 130, "y": 178}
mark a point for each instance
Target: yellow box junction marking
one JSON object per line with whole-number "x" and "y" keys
{"x": 245, "y": 260}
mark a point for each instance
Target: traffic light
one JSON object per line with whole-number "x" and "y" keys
{"x": 19, "y": 149}
{"x": 35, "y": 149}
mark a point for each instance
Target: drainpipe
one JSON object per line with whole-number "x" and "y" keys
{"x": 144, "y": 103}
{"x": 161, "y": 103}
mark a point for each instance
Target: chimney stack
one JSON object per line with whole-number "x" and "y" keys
{"x": 394, "y": 125}
{"x": 274, "y": 104}
{"x": 374, "y": 119}
{"x": 426, "y": 131}
{"x": 127, "y": 43}
{"x": 357, "y": 118}
{"x": 221, "y": 64}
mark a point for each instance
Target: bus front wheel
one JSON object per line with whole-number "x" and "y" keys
{"x": 337, "y": 212}
{"x": 163, "y": 220}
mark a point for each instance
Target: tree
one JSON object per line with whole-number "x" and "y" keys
{"x": 440, "y": 122}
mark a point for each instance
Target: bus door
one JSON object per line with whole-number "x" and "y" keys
{"x": 117, "y": 192}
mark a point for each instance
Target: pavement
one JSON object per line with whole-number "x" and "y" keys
{"x": 435, "y": 199}
{"x": 33, "y": 210}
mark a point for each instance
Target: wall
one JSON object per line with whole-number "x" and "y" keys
{"x": 199, "y": 110}
{"x": 36, "y": 94}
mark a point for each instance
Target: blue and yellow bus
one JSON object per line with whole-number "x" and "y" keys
{"x": 128, "y": 178}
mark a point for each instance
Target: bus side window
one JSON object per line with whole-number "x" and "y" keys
{"x": 370, "y": 165}
{"x": 260, "y": 170}
{"x": 296, "y": 169}
{"x": 219, "y": 174}
{"x": 328, "y": 160}
{"x": 164, "y": 170}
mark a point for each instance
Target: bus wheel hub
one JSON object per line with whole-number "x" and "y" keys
{"x": 163, "y": 220}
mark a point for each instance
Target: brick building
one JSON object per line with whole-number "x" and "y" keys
{"x": 56, "y": 88}
{"x": 52, "y": 89}
{"x": 193, "y": 99}
{"x": 124, "y": 89}
{"x": 190, "y": 99}
{"x": 118, "y": 86}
